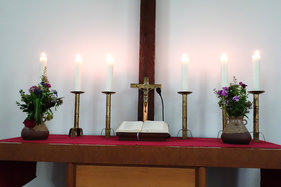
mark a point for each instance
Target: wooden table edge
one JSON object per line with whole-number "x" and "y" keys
{"x": 139, "y": 155}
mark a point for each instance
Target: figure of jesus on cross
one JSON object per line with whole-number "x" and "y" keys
{"x": 145, "y": 88}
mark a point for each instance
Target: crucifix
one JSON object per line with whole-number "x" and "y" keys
{"x": 145, "y": 88}
{"x": 147, "y": 55}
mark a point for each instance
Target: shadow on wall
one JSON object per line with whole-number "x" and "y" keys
{"x": 222, "y": 177}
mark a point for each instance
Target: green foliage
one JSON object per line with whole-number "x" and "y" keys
{"x": 38, "y": 103}
{"x": 234, "y": 99}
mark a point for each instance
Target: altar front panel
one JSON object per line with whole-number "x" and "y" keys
{"x": 91, "y": 175}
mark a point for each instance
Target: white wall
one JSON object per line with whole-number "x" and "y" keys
{"x": 203, "y": 29}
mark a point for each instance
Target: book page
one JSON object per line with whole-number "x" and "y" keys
{"x": 155, "y": 127}
{"x": 130, "y": 126}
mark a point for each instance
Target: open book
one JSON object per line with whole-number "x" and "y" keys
{"x": 147, "y": 131}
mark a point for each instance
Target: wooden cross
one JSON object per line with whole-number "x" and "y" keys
{"x": 145, "y": 88}
{"x": 147, "y": 53}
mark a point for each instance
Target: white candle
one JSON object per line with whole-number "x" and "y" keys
{"x": 256, "y": 70}
{"x": 110, "y": 61}
{"x": 184, "y": 77}
{"x": 224, "y": 73}
{"x": 78, "y": 63}
{"x": 43, "y": 64}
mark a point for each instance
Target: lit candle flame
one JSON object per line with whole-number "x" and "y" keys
{"x": 78, "y": 59}
{"x": 109, "y": 59}
{"x": 185, "y": 58}
{"x": 256, "y": 55}
{"x": 224, "y": 57}
{"x": 43, "y": 57}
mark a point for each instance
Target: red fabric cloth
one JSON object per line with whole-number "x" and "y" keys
{"x": 16, "y": 174}
{"x": 101, "y": 140}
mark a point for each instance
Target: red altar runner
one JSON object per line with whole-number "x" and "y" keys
{"x": 101, "y": 140}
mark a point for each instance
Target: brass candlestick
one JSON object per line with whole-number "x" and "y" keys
{"x": 76, "y": 131}
{"x": 256, "y": 114}
{"x": 108, "y": 113}
{"x": 184, "y": 113}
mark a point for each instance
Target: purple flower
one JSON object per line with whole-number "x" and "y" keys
{"x": 32, "y": 88}
{"x": 35, "y": 89}
{"x": 38, "y": 92}
{"x": 46, "y": 84}
{"x": 242, "y": 84}
{"x": 55, "y": 92}
{"x": 222, "y": 93}
{"x": 225, "y": 88}
{"x": 236, "y": 98}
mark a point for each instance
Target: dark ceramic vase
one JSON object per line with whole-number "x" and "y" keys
{"x": 39, "y": 132}
{"x": 235, "y": 131}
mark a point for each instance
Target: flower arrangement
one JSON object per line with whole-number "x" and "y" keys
{"x": 38, "y": 103}
{"x": 234, "y": 99}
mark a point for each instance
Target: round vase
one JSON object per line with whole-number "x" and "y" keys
{"x": 235, "y": 131}
{"x": 38, "y": 132}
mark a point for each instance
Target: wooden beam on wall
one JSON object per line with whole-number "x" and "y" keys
{"x": 147, "y": 53}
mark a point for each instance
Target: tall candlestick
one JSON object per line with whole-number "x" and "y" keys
{"x": 43, "y": 63}
{"x": 185, "y": 61}
{"x": 78, "y": 63}
{"x": 110, "y": 61}
{"x": 224, "y": 73}
{"x": 184, "y": 114}
{"x": 256, "y": 70}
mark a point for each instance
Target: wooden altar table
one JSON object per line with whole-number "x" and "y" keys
{"x": 96, "y": 155}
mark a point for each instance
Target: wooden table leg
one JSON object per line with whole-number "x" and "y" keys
{"x": 71, "y": 175}
{"x": 200, "y": 177}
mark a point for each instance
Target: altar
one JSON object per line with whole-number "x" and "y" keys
{"x": 95, "y": 160}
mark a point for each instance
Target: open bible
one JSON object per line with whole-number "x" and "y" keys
{"x": 143, "y": 131}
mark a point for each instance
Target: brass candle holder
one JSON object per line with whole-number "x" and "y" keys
{"x": 256, "y": 132}
{"x": 108, "y": 113}
{"x": 184, "y": 113}
{"x": 76, "y": 131}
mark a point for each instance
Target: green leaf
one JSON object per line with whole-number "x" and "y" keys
{"x": 37, "y": 115}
